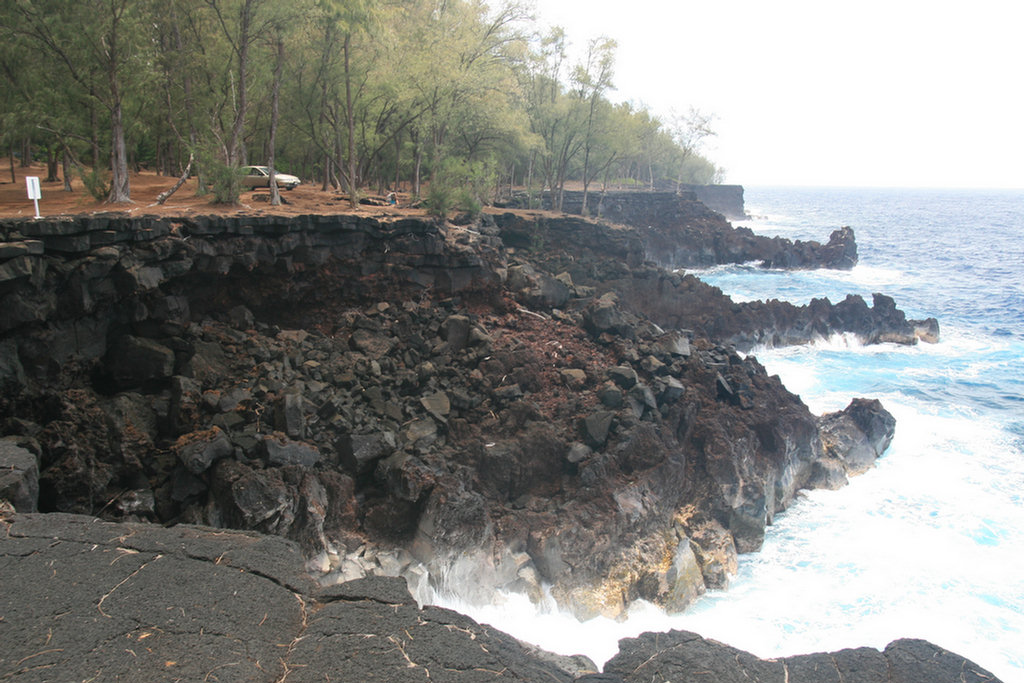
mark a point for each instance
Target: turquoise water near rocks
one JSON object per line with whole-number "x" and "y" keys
{"x": 930, "y": 542}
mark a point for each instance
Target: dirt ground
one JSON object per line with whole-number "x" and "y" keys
{"x": 145, "y": 186}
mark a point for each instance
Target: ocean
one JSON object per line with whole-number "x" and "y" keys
{"x": 930, "y": 542}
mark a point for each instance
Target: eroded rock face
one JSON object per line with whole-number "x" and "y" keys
{"x": 678, "y": 230}
{"x": 348, "y": 383}
{"x": 858, "y": 435}
{"x": 19, "y": 476}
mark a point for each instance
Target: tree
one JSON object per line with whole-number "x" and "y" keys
{"x": 467, "y": 67}
{"x": 553, "y": 113}
{"x": 689, "y": 132}
{"x": 353, "y": 91}
{"x": 237, "y": 20}
{"x": 332, "y": 84}
{"x": 593, "y": 78}
{"x": 96, "y": 43}
{"x": 275, "y": 194}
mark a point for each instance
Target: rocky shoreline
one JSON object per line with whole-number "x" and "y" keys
{"x": 516, "y": 400}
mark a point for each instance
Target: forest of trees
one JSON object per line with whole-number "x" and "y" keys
{"x": 452, "y": 100}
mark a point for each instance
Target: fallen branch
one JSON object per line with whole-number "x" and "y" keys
{"x": 163, "y": 196}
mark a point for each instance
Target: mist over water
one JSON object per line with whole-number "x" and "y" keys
{"x": 930, "y": 542}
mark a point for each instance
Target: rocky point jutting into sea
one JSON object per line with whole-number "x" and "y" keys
{"x": 510, "y": 402}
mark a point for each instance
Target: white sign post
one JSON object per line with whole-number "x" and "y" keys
{"x": 34, "y": 193}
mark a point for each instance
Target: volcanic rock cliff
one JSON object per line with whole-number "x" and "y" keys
{"x": 511, "y": 401}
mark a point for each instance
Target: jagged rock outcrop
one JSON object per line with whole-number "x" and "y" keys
{"x": 602, "y": 258}
{"x": 516, "y": 418}
{"x": 683, "y": 656}
{"x": 677, "y": 230}
{"x": 92, "y": 600}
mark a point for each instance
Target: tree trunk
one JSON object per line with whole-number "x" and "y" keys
{"x": 11, "y": 159}
{"x": 119, "y": 180}
{"x": 235, "y": 145}
{"x": 51, "y": 165}
{"x": 350, "y": 122}
{"x": 186, "y": 83}
{"x": 275, "y": 194}
{"x": 398, "y": 160}
{"x": 94, "y": 127}
{"x": 529, "y": 180}
{"x": 584, "y": 211}
{"x": 416, "y": 169}
{"x": 339, "y": 166}
{"x": 65, "y": 163}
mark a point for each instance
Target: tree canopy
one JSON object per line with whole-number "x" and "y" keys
{"x": 461, "y": 98}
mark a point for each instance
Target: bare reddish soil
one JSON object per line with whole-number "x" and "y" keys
{"x": 145, "y": 186}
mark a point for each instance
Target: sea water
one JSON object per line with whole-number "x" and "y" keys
{"x": 930, "y": 542}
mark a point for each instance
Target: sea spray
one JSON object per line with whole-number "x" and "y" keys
{"x": 928, "y": 543}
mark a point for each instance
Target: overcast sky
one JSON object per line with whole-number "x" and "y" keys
{"x": 905, "y": 93}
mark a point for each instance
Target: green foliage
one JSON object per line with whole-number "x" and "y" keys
{"x": 217, "y": 178}
{"x": 459, "y": 184}
{"x": 225, "y": 181}
{"x": 379, "y": 92}
{"x": 470, "y": 203}
{"x": 440, "y": 200}
{"x": 96, "y": 182}
{"x": 697, "y": 170}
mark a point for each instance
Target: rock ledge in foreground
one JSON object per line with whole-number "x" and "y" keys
{"x": 105, "y": 601}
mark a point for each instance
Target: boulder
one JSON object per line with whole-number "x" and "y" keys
{"x": 420, "y": 433}
{"x": 578, "y": 452}
{"x": 596, "y": 428}
{"x": 280, "y": 450}
{"x": 574, "y": 378}
{"x": 248, "y": 498}
{"x": 455, "y": 331}
{"x": 437, "y": 405}
{"x": 604, "y": 315}
{"x": 197, "y": 451}
{"x": 537, "y": 288}
{"x": 374, "y": 344}
{"x": 19, "y": 476}
{"x": 857, "y": 435}
{"x": 610, "y": 396}
{"x": 135, "y": 361}
{"x": 359, "y": 453}
{"x": 623, "y": 375}
{"x": 289, "y": 415}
